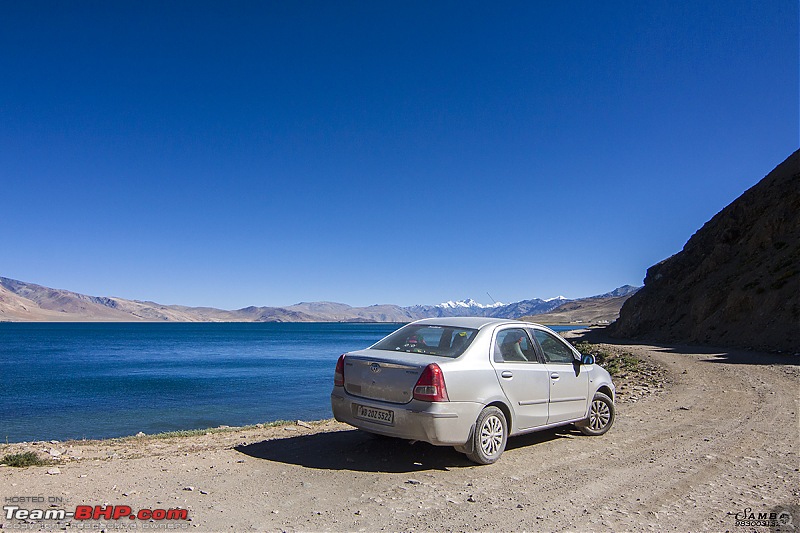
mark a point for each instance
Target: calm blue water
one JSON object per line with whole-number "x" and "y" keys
{"x": 63, "y": 381}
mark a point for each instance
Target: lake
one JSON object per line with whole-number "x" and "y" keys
{"x": 99, "y": 380}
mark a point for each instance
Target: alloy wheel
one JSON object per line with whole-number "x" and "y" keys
{"x": 599, "y": 415}
{"x": 491, "y": 435}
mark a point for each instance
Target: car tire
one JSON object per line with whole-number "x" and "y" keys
{"x": 601, "y": 416}
{"x": 489, "y": 438}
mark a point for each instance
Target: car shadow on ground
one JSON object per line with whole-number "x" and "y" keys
{"x": 357, "y": 451}
{"x": 539, "y": 437}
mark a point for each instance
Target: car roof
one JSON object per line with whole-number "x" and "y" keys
{"x": 472, "y": 322}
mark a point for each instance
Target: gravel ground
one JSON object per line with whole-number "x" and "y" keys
{"x": 700, "y": 436}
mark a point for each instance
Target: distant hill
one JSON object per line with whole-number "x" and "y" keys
{"x": 26, "y": 302}
{"x": 737, "y": 280}
{"x": 625, "y": 290}
{"x": 20, "y": 301}
{"x": 597, "y": 310}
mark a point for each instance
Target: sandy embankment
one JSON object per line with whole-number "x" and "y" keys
{"x": 718, "y": 437}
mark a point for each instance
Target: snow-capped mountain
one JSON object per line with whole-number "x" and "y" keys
{"x": 467, "y": 304}
{"x": 470, "y": 307}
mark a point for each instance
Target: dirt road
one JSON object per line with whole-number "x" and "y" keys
{"x": 721, "y": 438}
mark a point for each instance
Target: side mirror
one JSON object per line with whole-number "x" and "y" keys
{"x": 587, "y": 359}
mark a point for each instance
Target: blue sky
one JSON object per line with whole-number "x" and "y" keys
{"x": 255, "y": 153}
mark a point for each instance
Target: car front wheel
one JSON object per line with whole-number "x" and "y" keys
{"x": 489, "y": 437}
{"x": 601, "y": 416}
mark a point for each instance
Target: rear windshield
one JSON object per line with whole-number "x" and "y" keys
{"x": 445, "y": 341}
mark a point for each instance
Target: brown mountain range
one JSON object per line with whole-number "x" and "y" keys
{"x": 589, "y": 311}
{"x": 737, "y": 280}
{"x": 28, "y": 302}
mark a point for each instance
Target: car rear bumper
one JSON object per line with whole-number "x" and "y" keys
{"x": 439, "y": 423}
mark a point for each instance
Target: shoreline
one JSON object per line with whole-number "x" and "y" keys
{"x": 55, "y": 453}
{"x": 177, "y": 434}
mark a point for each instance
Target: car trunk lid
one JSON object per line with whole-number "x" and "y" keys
{"x": 384, "y": 376}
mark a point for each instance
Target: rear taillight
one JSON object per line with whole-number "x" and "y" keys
{"x": 430, "y": 385}
{"x": 338, "y": 374}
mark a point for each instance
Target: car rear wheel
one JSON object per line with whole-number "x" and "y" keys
{"x": 601, "y": 416}
{"x": 489, "y": 437}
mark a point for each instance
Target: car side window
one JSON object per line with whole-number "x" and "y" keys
{"x": 513, "y": 346}
{"x": 555, "y": 351}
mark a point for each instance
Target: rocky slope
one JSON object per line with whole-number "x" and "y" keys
{"x": 737, "y": 280}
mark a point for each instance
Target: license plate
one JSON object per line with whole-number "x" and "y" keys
{"x": 382, "y": 416}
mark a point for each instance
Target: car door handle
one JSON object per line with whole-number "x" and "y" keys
{"x": 507, "y": 374}
{"x": 554, "y": 375}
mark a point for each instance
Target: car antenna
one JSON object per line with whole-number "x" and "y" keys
{"x": 490, "y": 297}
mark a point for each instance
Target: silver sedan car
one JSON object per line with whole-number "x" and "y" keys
{"x": 471, "y": 383}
